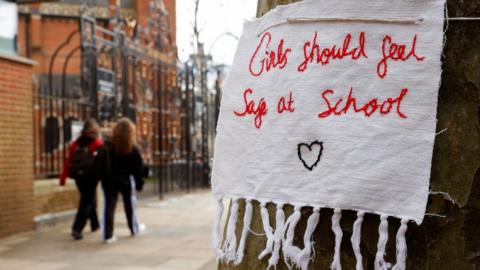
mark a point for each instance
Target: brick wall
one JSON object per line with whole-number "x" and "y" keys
{"x": 37, "y": 41}
{"x": 16, "y": 145}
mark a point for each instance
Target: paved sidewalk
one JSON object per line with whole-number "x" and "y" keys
{"x": 177, "y": 238}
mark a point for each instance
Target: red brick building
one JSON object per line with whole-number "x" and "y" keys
{"x": 43, "y": 27}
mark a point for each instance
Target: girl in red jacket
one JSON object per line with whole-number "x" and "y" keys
{"x": 87, "y": 163}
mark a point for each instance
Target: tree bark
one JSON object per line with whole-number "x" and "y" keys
{"x": 449, "y": 237}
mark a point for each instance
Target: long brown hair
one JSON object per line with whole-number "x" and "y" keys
{"x": 123, "y": 136}
{"x": 91, "y": 129}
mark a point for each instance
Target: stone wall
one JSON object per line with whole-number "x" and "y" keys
{"x": 49, "y": 197}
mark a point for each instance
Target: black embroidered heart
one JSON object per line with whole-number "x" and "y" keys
{"x": 310, "y": 154}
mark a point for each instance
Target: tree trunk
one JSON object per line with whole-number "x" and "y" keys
{"x": 449, "y": 237}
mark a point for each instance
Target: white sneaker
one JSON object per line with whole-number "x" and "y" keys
{"x": 142, "y": 228}
{"x": 111, "y": 240}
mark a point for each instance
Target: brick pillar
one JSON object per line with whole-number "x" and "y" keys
{"x": 16, "y": 145}
{"x": 112, "y": 7}
{"x": 170, "y": 5}
{"x": 36, "y": 38}
{"x": 141, "y": 7}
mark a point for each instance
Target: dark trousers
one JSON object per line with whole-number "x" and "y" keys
{"x": 127, "y": 189}
{"x": 87, "y": 207}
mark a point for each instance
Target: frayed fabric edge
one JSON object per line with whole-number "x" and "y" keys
{"x": 280, "y": 237}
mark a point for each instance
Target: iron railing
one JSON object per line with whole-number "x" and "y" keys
{"x": 171, "y": 104}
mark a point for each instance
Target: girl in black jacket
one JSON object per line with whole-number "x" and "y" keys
{"x": 126, "y": 168}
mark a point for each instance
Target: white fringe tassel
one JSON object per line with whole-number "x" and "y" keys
{"x": 306, "y": 254}
{"x": 216, "y": 232}
{"x": 380, "y": 263}
{"x": 356, "y": 239}
{"x": 277, "y": 236}
{"x": 282, "y": 238}
{"x": 290, "y": 252}
{"x": 337, "y": 230}
{"x": 268, "y": 230}
{"x": 247, "y": 219}
{"x": 401, "y": 263}
{"x": 231, "y": 238}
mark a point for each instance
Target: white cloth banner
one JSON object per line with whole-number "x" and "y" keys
{"x": 332, "y": 104}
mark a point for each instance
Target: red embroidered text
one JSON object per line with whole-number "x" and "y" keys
{"x": 259, "y": 111}
{"x": 312, "y": 52}
{"x": 271, "y": 59}
{"x": 395, "y": 52}
{"x": 285, "y": 105}
{"x": 350, "y": 104}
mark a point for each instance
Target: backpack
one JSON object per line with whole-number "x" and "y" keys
{"x": 81, "y": 163}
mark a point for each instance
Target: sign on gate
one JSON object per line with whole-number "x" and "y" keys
{"x": 106, "y": 80}
{"x": 76, "y": 127}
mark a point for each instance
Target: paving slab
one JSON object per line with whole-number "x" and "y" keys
{"x": 177, "y": 238}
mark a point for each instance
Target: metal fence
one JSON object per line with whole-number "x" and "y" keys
{"x": 171, "y": 104}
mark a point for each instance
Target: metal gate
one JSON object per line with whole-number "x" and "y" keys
{"x": 120, "y": 76}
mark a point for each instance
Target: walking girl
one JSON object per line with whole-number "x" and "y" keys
{"x": 126, "y": 168}
{"x": 87, "y": 163}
